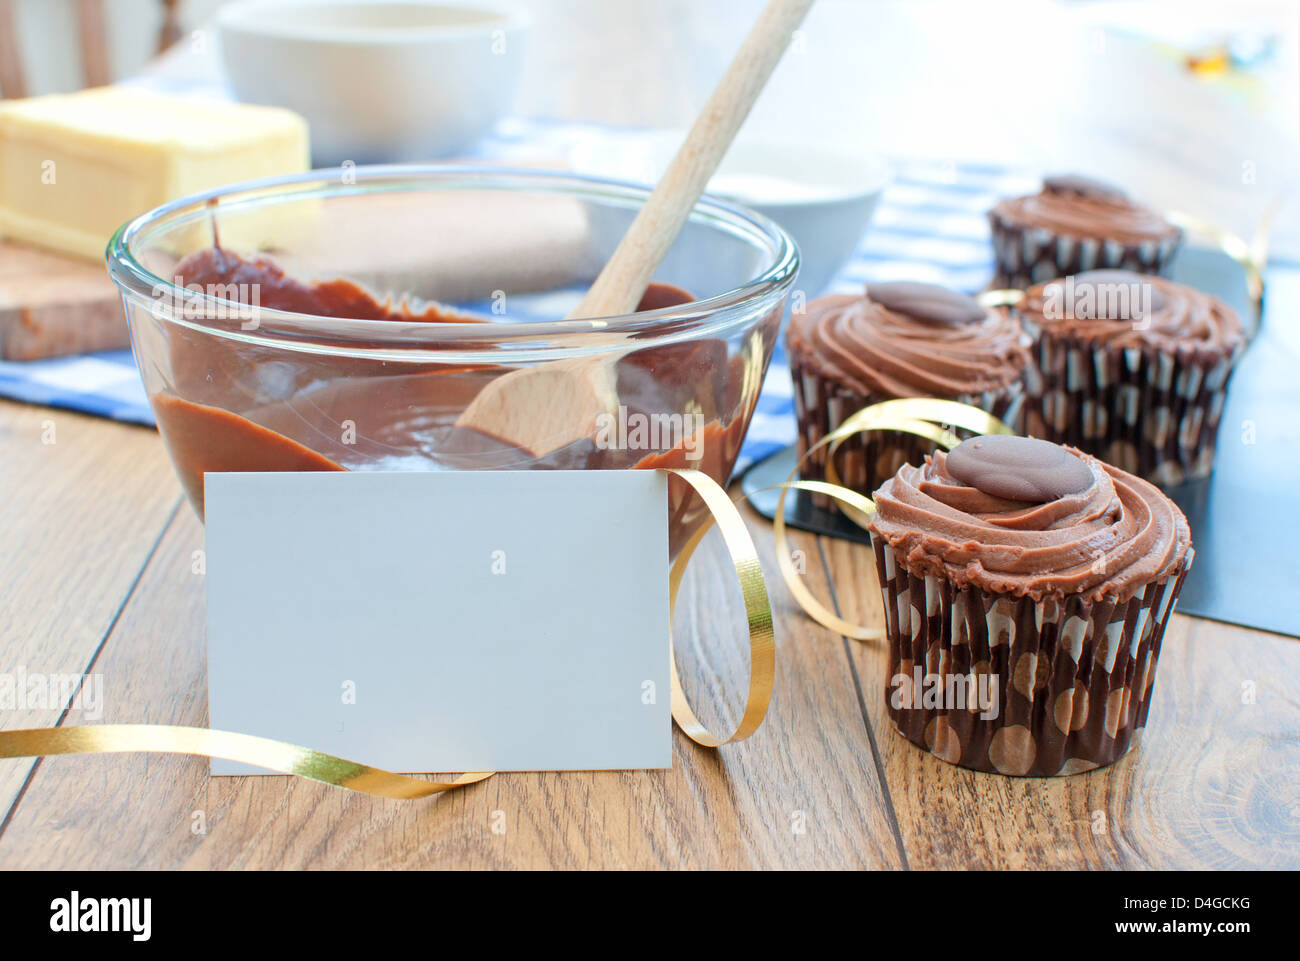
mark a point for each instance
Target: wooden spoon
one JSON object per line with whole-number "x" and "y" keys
{"x": 548, "y": 406}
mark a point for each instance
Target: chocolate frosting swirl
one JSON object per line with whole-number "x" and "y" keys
{"x": 1095, "y": 307}
{"x": 877, "y": 349}
{"x": 1078, "y": 206}
{"x": 1109, "y": 539}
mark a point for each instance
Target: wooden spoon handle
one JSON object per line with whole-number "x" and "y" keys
{"x": 625, "y": 277}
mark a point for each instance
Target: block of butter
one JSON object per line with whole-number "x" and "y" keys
{"x": 75, "y": 167}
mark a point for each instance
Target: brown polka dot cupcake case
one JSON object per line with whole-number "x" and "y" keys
{"x": 1132, "y": 369}
{"x": 1027, "y": 587}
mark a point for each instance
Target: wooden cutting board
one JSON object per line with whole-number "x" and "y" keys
{"x": 51, "y": 305}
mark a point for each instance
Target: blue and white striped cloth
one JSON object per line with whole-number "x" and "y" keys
{"x": 929, "y": 226}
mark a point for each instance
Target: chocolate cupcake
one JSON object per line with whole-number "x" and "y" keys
{"x": 898, "y": 340}
{"x": 1132, "y": 369}
{"x": 1026, "y": 588}
{"x": 1077, "y": 224}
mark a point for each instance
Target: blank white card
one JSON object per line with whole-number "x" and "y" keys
{"x": 442, "y": 621}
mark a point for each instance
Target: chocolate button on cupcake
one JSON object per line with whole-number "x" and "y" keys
{"x": 927, "y": 303}
{"x": 1018, "y": 468}
{"x": 1034, "y": 582}
{"x": 1080, "y": 186}
{"x": 1074, "y": 224}
{"x": 899, "y": 339}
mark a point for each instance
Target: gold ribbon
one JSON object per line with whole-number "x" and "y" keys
{"x": 758, "y": 613}
{"x": 814, "y": 608}
{"x": 1000, "y": 297}
{"x": 921, "y": 416}
{"x": 245, "y": 748}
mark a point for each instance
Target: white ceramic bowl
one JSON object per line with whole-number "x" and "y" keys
{"x": 377, "y": 82}
{"x": 824, "y": 198}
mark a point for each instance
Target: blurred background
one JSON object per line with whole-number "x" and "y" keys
{"x": 1186, "y": 104}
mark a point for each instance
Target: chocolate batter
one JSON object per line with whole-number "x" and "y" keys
{"x": 406, "y": 421}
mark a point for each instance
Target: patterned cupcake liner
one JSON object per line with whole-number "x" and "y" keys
{"x": 1033, "y": 255}
{"x": 1149, "y": 412}
{"x": 865, "y": 461}
{"x": 1067, "y": 683}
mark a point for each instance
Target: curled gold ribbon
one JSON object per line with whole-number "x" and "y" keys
{"x": 758, "y": 613}
{"x": 814, "y": 608}
{"x": 922, "y": 416}
{"x": 1000, "y": 297}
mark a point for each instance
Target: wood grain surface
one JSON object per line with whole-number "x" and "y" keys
{"x": 97, "y": 576}
{"x": 82, "y": 504}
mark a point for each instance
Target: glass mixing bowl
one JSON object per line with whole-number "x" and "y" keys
{"x": 448, "y": 349}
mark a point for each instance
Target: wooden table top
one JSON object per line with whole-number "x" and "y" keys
{"x": 97, "y": 577}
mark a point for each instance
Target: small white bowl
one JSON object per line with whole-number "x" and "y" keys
{"x": 377, "y": 82}
{"x": 823, "y": 197}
